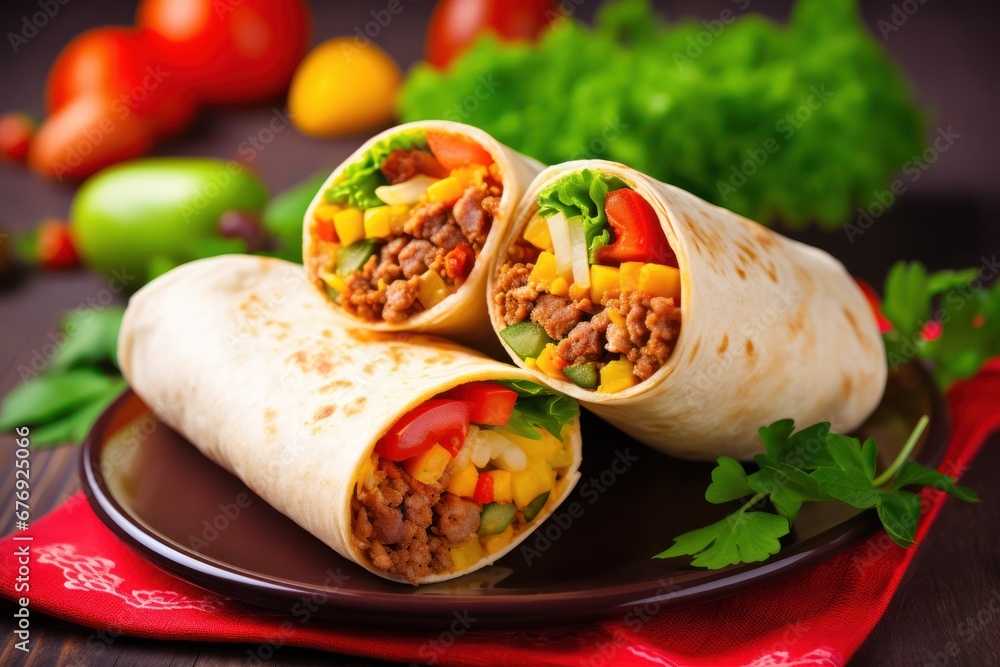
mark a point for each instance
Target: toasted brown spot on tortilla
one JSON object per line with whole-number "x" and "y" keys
{"x": 741, "y": 273}
{"x": 694, "y": 349}
{"x": 723, "y": 345}
{"x": 356, "y": 407}
{"x": 771, "y": 272}
{"x": 370, "y": 368}
{"x": 327, "y": 333}
{"x": 751, "y": 255}
{"x": 846, "y": 385}
{"x": 323, "y": 366}
{"x": 336, "y": 384}
{"x": 324, "y": 412}
{"x": 750, "y": 349}
{"x": 854, "y": 324}
{"x": 300, "y": 358}
{"x": 270, "y": 414}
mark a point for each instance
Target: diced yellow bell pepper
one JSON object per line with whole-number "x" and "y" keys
{"x": 501, "y": 485}
{"x": 325, "y": 212}
{"x": 378, "y": 222}
{"x": 524, "y": 488}
{"x": 616, "y": 376}
{"x": 615, "y": 317}
{"x": 628, "y": 276}
{"x": 660, "y": 280}
{"x": 494, "y": 543}
{"x": 429, "y": 466}
{"x": 546, "y": 363}
{"x": 544, "y": 271}
{"x": 350, "y": 225}
{"x": 467, "y": 554}
{"x": 578, "y": 291}
{"x": 446, "y": 190}
{"x": 468, "y": 177}
{"x": 543, "y": 473}
{"x": 334, "y": 281}
{"x": 604, "y": 283}
{"x": 398, "y": 215}
{"x": 545, "y": 448}
{"x": 494, "y": 170}
{"x": 537, "y": 233}
{"x": 562, "y": 459}
{"x": 463, "y": 483}
{"x": 432, "y": 290}
{"x": 559, "y": 287}
{"x": 530, "y": 363}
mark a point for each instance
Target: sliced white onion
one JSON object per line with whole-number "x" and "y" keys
{"x": 481, "y": 447}
{"x": 511, "y": 459}
{"x": 578, "y": 251}
{"x": 461, "y": 460}
{"x": 561, "y": 245}
{"x": 406, "y": 193}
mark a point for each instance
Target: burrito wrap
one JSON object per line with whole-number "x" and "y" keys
{"x": 462, "y": 316}
{"x": 771, "y": 329}
{"x": 240, "y": 355}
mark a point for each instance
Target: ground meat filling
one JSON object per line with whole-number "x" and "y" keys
{"x": 652, "y": 324}
{"x": 437, "y": 236}
{"x": 406, "y": 527}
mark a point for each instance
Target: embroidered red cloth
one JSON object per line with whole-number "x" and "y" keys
{"x": 79, "y": 571}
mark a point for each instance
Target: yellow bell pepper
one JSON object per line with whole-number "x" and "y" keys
{"x": 463, "y": 483}
{"x": 628, "y": 276}
{"x": 446, "y": 190}
{"x": 616, "y": 318}
{"x": 524, "y": 488}
{"x": 432, "y": 290}
{"x": 546, "y": 363}
{"x": 562, "y": 459}
{"x": 350, "y": 225}
{"x": 468, "y": 177}
{"x": 660, "y": 280}
{"x": 334, "y": 281}
{"x": 429, "y": 466}
{"x": 501, "y": 485}
{"x": 494, "y": 543}
{"x": 378, "y": 222}
{"x": 616, "y": 376}
{"x": 398, "y": 215}
{"x": 325, "y": 212}
{"x": 545, "y": 448}
{"x": 578, "y": 291}
{"x": 604, "y": 283}
{"x": 467, "y": 554}
{"x": 559, "y": 287}
{"x": 544, "y": 271}
{"x": 537, "y": 233}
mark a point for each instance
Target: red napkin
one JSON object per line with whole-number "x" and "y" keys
{"x": 81, "y": 572}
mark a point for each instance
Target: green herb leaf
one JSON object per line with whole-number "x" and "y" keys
{"x": 91, "y": 338}
{"x": 917, "y": 474}
{"x": 49, "y": 397}
{"x": 582, "y": 193}
{"x": 550, "y": 412}
{"x": 527, "y": 388}
{"x": 899, "y": 512}
{"x": 729, "y": 482}
{"x": 744, "y": 537}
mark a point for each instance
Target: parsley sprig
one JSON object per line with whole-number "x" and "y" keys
{"x": 810, "y": 465}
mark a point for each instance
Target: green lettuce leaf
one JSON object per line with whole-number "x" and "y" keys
{"x": 357, "y": 187}
{"x": 582, "y": 194}
{"x": 550, "y": 412}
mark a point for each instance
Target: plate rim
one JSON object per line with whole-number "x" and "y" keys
{"x": 277, "y": 593}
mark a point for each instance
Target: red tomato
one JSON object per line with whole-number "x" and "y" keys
{"x": 117, "y": 63}
{"x": 231, "y": 51}
{"x": 325, "y": 231}
{"x": 484, "y": 490}
{"x": 491, "y": 402}
{"x": 85, "y": 135}
{"x": 55, "y": 246}
{"x": 16, "y": 130}
{"x": 459, "y": 261}
{"x": 638, "y": 235}
{"x": 455, "y": 24}
{"x": 875, "y": 302}
{"x": 454, "y": 151}
{"x": 438, "y": 420}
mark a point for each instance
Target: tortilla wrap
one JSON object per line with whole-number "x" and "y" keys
{"x": 241, "y": 356}
{"x": 461, "y": 316}
{"x": 771, "y": 329}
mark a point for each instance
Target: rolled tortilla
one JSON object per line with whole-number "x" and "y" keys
{"x": 241, "y": 356}
{"x": 770, "y": 329}
{"x": 462, "y": 316}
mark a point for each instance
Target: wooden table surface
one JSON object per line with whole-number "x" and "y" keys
{"x": 942, "y": 613}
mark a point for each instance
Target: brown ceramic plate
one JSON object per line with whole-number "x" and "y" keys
{"x": 591, "y": 559}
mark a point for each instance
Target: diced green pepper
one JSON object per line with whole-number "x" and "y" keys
{"x": 583, "y": 375}
{"x": 536, "y": 505}
{"x": 353, "y": 257}
{"x": 526, "y": 338}
{"x": 495, "y": 518}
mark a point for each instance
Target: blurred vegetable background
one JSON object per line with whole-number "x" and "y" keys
{"x": 792, "y": 113}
